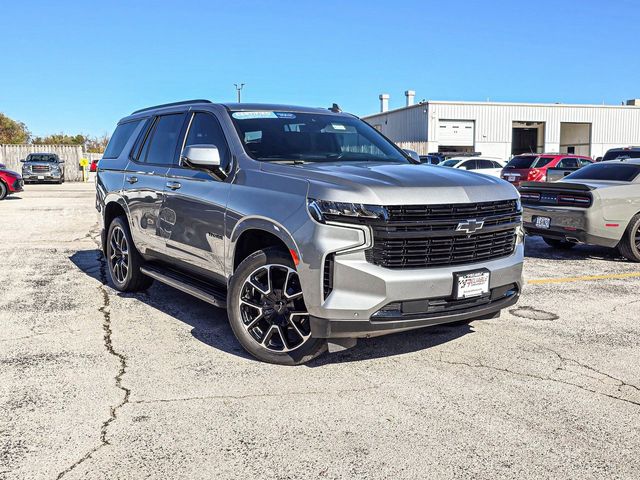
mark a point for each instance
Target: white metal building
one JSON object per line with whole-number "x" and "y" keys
{"x": 505, "y": 129}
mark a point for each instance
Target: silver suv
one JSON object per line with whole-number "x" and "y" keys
{"x": 43, "y": 167}
{"x": 308, "y": 225}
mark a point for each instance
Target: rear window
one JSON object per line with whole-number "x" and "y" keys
{"x": 619, "y": 172}
{"x": 120, "y": 138}
{"x": 528, "y": 161}
{"x": 613, "y": 154}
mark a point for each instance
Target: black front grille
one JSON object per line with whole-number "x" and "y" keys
{"x": 423, "y": 236}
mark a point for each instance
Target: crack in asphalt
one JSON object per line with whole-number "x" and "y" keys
{"x": 256, "y": 395}
{"x": 561, "y": 367}
{"x": 122, "y": 360}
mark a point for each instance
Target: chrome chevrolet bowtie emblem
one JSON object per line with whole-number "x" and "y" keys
{"x": 470, "y": 226}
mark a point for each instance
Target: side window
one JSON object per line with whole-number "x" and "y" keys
{"x": 584, "y": 162}
{"x": 496, "y": 165}
{"x": 485, "y": 164}
{"x": 469, "y": 165}
{"x": 568, "y": 163}
{"x": 206, "y": 130}
{"x": 119, "y": 139}
{"x": 162, "y": 141}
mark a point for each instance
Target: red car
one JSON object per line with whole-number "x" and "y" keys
{"x": 10, "y": 182}
{"x": 533, "y": 167}
{"x": 94, "y": 166}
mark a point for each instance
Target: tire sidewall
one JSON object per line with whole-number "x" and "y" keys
{"x": 4, "y": 191}
{"x": 119, "y": 222}
{"x": 630, "y": 238}
{"x": 311, "y": 349}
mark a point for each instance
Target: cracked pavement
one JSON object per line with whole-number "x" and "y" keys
{"x": 96, "y": 384}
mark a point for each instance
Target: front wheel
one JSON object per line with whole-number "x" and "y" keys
{"x": 123, "y": 259}
{"x": 267, "y": 312}
{"x": 629, "y": 246}
{"x": 559, "y": 244}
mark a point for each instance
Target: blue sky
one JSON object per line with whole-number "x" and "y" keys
{"x": 78, "y": 66}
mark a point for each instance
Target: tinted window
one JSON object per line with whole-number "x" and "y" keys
{"x": 312, "y": 137}
{"x": 205, "y": 130}
{"x": 42, "y": 157}
{"x": 528, "y": 161}
{"x": 469, "y": 165}
{"x": 119, "y": 139}
{"x": 485, "y": 164}
{"x": 160, "y": 147}
{"x": 616, "y": 171}
{"x": 620, "y": 153}
{"x": 496, "y": 165}
{"x": 568, "y": 163}
{"x": 584, "y": 162}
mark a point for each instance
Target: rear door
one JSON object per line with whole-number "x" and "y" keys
{"x": 193, "y": 216}
{"x": 488, "y": 167}
{"x": 145, "y": 180}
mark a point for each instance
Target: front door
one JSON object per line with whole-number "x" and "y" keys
{"x": 193, "y": 215}
{"x": 146, "y": 178}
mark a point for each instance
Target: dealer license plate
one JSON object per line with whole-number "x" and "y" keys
{"x": 40, "y": 177}
{"x": 543, "y": 222}
{"x": 511, "y": 178}
{"x": 472, "y": 284}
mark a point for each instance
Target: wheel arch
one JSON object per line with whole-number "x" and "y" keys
{"x": 254, "y": 234}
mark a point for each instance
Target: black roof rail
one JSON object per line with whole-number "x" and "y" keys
{"x": 185, "y": 102}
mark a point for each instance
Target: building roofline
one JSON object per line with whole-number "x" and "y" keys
{"x": 426, "y": 103}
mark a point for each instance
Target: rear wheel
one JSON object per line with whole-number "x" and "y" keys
{"x": 559, "y": 244}
{"x": 123, "y": 259}
{"x": 3, "y": 191}
{"x": 267, "y": 311}
{"x": 629, "y": 246}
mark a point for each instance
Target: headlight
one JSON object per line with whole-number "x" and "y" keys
{"x": 323, "y": 210}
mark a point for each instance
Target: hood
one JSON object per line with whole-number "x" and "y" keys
{"x": 38, "y": 162}
{"x": 10, "y": 172}
{"x": 395, "y": 184}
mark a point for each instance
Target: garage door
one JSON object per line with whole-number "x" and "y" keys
{"x": 456, "y": 133}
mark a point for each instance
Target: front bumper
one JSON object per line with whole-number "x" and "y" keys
{"x": 16, "y": 186}
{"x": 579, "y": 225}
{"x": 360, "y": 290}
{"x": 42, "y": 177}
{"x": 478, "y": 309}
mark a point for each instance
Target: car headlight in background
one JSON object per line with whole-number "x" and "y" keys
{"x": 323, "y": 210}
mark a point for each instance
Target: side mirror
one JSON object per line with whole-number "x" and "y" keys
{"x": 413, "y": 154}
{"x": 22, "y": 161}
{"x": 204, "y": 156}
{"x": 60, "y": 161}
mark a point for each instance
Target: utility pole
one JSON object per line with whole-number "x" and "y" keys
{"x": 239, "y": 89}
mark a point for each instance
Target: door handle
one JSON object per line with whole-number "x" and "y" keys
{"x": 174, "y": 185}
{"x": 132, "y": 179}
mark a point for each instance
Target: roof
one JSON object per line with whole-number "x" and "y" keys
{"x": 248, "y": 107}
{"x": 426, "y": 103}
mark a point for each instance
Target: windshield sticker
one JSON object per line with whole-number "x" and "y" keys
{"x": 337, "y": 126}
{"x": 285, "y": 115}
{"x": 252, "y": 115}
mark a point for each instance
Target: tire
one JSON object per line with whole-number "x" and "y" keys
{"x": 629, "y": 246}
{"x": 277, "y": 329}
{"x": 4, "y": 191}
{"x": 558, "y": 244}
{"x": 123, "y": 259}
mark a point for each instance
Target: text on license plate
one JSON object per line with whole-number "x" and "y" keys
{"x": 472, "y": 284}
{"x": 543, "y": 222}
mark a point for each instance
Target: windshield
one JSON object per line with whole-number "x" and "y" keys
{"x": 449, "y": 163}
{"x": 528, "y": 161}
{"x": 613, "y": 154}
{"x": 312, "y": 137}
{"x": 616, "y": 171}
{"x": 41, "y": 157}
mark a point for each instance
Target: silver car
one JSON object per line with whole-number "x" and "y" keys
{"x": 598, "y": 204}
{"x": 43, "y": 167}
{"x": 307, "y": 225}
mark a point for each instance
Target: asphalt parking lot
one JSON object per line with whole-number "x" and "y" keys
{"x": 97, "y": 384}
